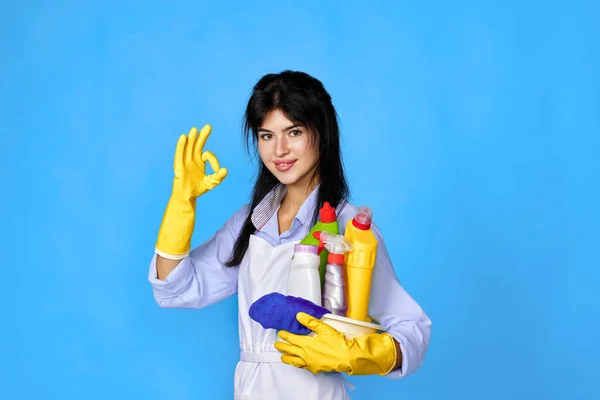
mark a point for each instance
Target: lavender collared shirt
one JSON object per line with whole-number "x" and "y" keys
{"x": 201, "y": 278}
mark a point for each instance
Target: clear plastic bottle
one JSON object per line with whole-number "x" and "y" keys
{"x": 333, "y": 293}
{"x": 334, "y": 298}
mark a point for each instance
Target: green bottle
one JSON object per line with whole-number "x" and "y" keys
{"x": 327, "y": 222}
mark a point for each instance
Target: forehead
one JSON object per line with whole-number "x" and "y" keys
{"x": 276, "y": 120}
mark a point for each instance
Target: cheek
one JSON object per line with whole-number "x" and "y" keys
{"x": 300, "y": 147}
{"x": 263, "y": 151}
{"x": 309, "y": 153}
{"x": 313, "y": 155}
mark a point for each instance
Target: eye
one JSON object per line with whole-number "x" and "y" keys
{"x": 296, "y": 132}
{"x": 266, "y": 136}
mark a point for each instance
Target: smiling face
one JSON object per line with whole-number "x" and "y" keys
{"x": 287, "y": 150}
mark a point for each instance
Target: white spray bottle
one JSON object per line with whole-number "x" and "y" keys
{"x": 333, "y": 290}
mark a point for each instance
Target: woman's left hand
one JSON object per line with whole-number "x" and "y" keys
{"x": 330, "y": 351}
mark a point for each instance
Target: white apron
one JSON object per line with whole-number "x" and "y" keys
{"x": 260, "y": 374}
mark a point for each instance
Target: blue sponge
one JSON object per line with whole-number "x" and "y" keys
{"x": 276, "y": 311}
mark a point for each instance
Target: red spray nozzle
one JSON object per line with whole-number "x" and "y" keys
{"x": 317, "y": 235}
{"x": 337, "y": 245}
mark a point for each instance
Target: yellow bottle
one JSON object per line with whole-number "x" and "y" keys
{"x": 360, "y": 263}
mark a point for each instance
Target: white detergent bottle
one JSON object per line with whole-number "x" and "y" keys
{"x": 304, "y": 279}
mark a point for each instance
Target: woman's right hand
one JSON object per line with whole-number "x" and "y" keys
{"x": 189, "y": 166}
{"x": 191, "y": 181}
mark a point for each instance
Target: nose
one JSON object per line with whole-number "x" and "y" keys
{"x": 281, "y": 147}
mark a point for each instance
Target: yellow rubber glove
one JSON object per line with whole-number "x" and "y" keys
{"x": 330, "y": 351}
{"x": 191, "y": 181}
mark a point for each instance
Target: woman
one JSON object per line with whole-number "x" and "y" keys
{"x": 292, "y": 121}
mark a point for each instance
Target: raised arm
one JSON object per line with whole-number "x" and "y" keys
{"x": 190, "y": 182}
{"x": 181, "y": 279}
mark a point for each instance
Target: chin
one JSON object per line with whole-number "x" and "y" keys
{"x": 285, "y": 177}
{"x": 287, "y": 180}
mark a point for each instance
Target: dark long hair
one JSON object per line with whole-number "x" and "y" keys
{"x": 303, "y": 99}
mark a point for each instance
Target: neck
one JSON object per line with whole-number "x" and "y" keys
{"x": 296, "y": 195}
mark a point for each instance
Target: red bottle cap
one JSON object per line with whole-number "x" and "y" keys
{"x": 335, "y": 259}
{"x": 327, "y": 213}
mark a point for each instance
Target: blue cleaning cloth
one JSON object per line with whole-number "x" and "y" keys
{"x": 276, "y": 311}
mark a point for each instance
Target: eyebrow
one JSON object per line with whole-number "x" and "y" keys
{"x": 286, "y": 129}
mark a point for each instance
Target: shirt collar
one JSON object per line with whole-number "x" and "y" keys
{"x": 271, "y": 202}
{"x": 268, "y": 205}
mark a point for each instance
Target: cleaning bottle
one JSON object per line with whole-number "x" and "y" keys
{"x": 360, "y": 263}
{"x": 327, "y": 222}
{"x": 303, "y": 280}
{"x": 334, "y": 298}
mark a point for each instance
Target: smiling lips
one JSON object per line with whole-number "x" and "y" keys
{"x": 284, "y": 165}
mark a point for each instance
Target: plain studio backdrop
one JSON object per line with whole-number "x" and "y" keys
{"x": 471, "y": 128}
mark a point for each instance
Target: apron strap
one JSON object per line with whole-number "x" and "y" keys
{"x": 275, "y": 357}
{"x": 264, "y": 357}
{"x": 347, "y": 383}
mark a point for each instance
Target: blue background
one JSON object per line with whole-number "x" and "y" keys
{"x": 471, "y": 128}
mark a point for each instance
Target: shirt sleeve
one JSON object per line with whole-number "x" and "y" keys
{"x": 398, "y": 312}
{"x": 201, "y": 278}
